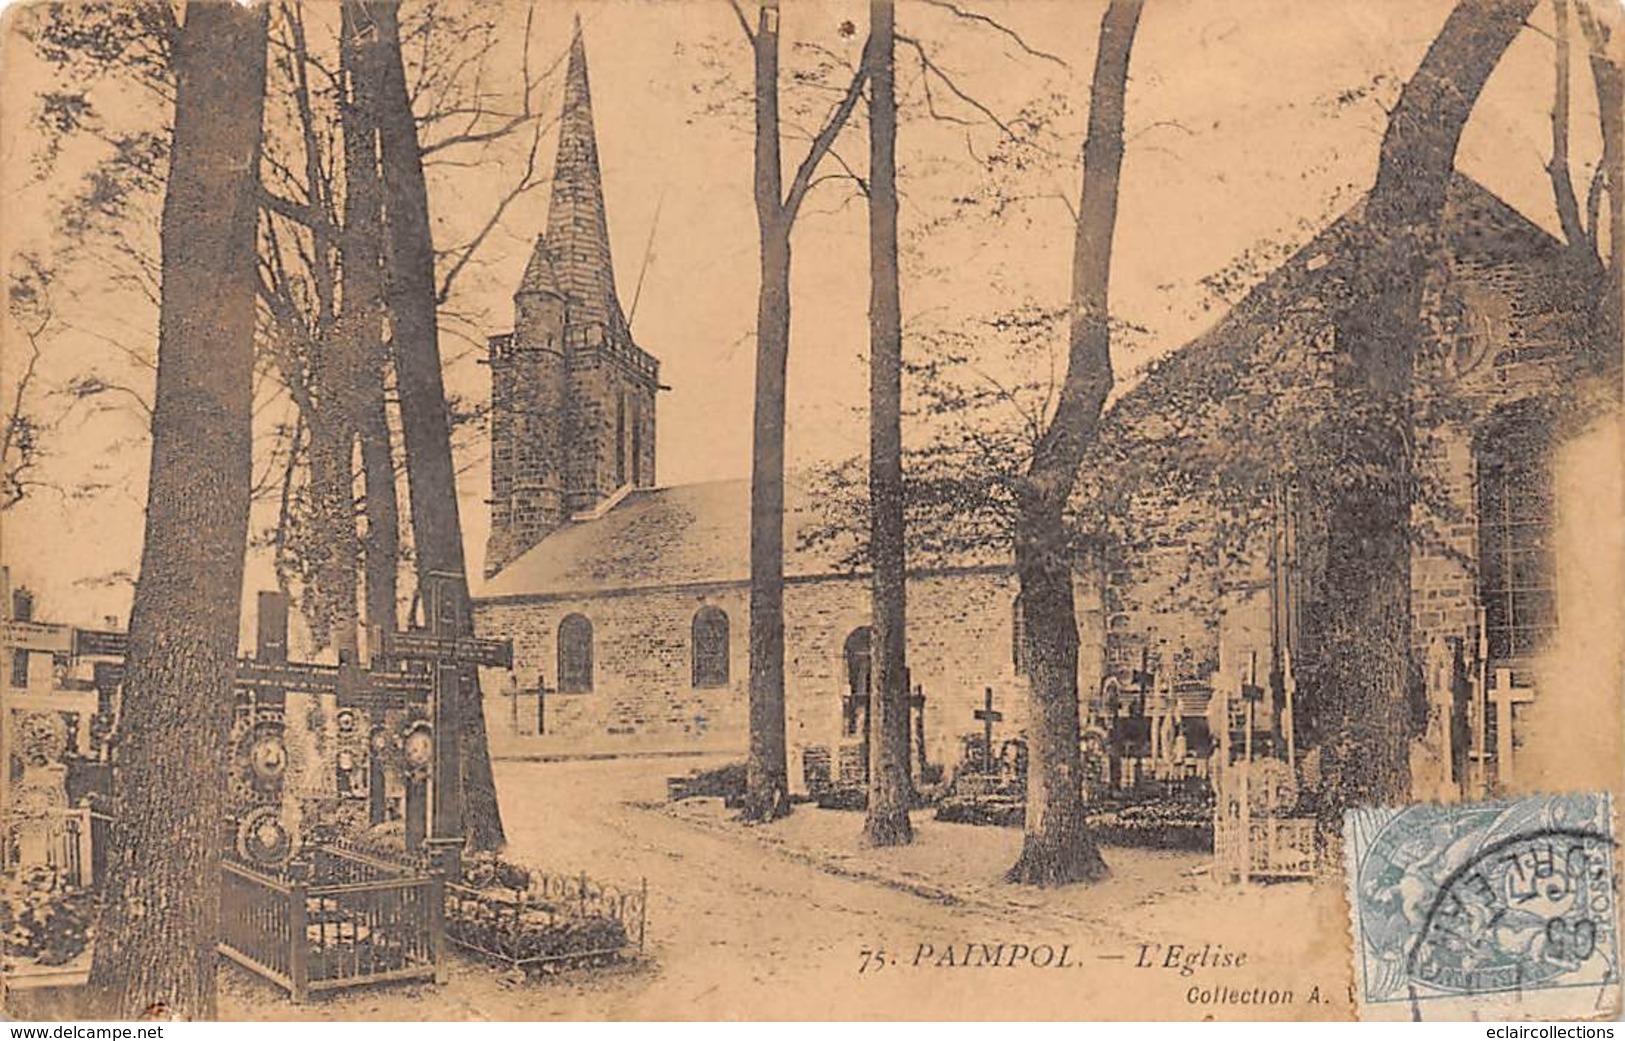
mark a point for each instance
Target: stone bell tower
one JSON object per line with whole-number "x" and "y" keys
{"x": 572, "y": 396}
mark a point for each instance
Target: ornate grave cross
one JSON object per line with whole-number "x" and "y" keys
{"x": 270, "y": 676}
{"x": 450, "y": 652}
{"x": 446, "y": 649}
{"x": 989, "y": 716}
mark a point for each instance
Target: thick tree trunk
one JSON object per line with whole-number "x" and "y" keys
{"x": 1057, "y": 848}
{"x": 381, "y": 543}
{"x": 767, "y": 776}
{"x": 890, "y": 792}
{"x": 1362, "y": 710}
{"x": 361, "y": 320}
{"x": 767, "y": 785}
{"x": 160, "y": 916}
{"x": 425, "y": 420}
{"x": 331, "y": 604}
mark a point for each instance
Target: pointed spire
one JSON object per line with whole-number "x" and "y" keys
{"x": 540, "y": 276}
{"x": 577, "y": 230}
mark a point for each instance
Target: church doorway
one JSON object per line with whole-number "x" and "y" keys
{"x": 855, "y": 700}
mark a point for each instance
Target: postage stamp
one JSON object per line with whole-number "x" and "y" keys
{"x": 1494, "y": 910}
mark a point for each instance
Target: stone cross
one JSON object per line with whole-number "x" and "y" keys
{"x": 1505, "y": 695}
{"x": 989, "y": 716}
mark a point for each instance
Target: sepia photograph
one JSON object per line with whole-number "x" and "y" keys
{"x": 812, "y": 510}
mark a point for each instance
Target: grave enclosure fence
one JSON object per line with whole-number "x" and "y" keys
{"x": 555, "y": 921}
{"x": 343, "y": 920}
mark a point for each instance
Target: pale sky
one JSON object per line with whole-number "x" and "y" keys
{"x": 1261, "y": 152}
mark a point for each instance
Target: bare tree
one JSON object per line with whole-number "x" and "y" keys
{"x": 28, "y": 302}
{"x": 1056, "y": 846}
{"x": 161, "y": 909}
{"x": 890, "y": 792}
{"x": 426, "y": 427}
{"x": 767, "y": 784}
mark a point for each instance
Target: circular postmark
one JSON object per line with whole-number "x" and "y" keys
{"x": 1523, "y": 913}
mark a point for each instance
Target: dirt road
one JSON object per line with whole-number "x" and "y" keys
{"x": 737, "y": 930}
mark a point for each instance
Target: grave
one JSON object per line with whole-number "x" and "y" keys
{"x": 989, "y": 786}
{"x": 838, "y": 778}
{"x": 314, "y": 745}
{"x": 1259, "y": 831}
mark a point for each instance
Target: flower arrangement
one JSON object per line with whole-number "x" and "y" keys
{"x": 506, "y": 911}
{"x": 42, "y": 920}
{"x": 1164, "y": 824}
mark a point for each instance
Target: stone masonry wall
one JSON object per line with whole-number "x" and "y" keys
{"x": 643, "y": 699}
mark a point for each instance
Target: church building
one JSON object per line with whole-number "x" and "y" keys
{"x": 628, "y": 603}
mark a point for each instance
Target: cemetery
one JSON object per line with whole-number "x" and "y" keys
{"x": 1289, "y": 517}
{"x": 343, "y": 859}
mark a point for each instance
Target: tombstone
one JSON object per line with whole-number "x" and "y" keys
{"x": 417, "y": 758}
{"x": 38, "y": 799}
{"x": 378, "y": 747}
{"x": 1432, "y": 753}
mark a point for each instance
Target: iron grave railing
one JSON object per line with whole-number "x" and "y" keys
{"x": 58, "y": 838}
{"x": 555, "y": 921}
{"x": 345, "y": 919}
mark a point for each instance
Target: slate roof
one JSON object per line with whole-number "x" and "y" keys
{"x": 573, "y": 255}
{"x": 1228, "y": 386}
{"x": 686, "y": 534}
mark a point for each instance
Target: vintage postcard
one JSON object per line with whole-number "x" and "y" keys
{"x": 812, "y": 509}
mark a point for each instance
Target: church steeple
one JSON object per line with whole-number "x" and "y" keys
{"x": 577, "y": 238}
{"x": 572, "y": 397}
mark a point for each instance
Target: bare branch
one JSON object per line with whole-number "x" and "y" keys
{"x": 948, "y": 81}
{"x": 527, "y": 181}
{"x": 826, "y": 136}
{"x": 744, "y": 23}
{"x": 973, "y": 16}
{"x": 1568, "y": 207}
{"x": 298, "y": 212}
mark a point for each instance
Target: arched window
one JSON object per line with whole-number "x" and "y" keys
{"x": 1516, "y": 560}
{"x": 575, "y": 655}
{"x": 710, "y": 647}
{"x": 855, "y": 704}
